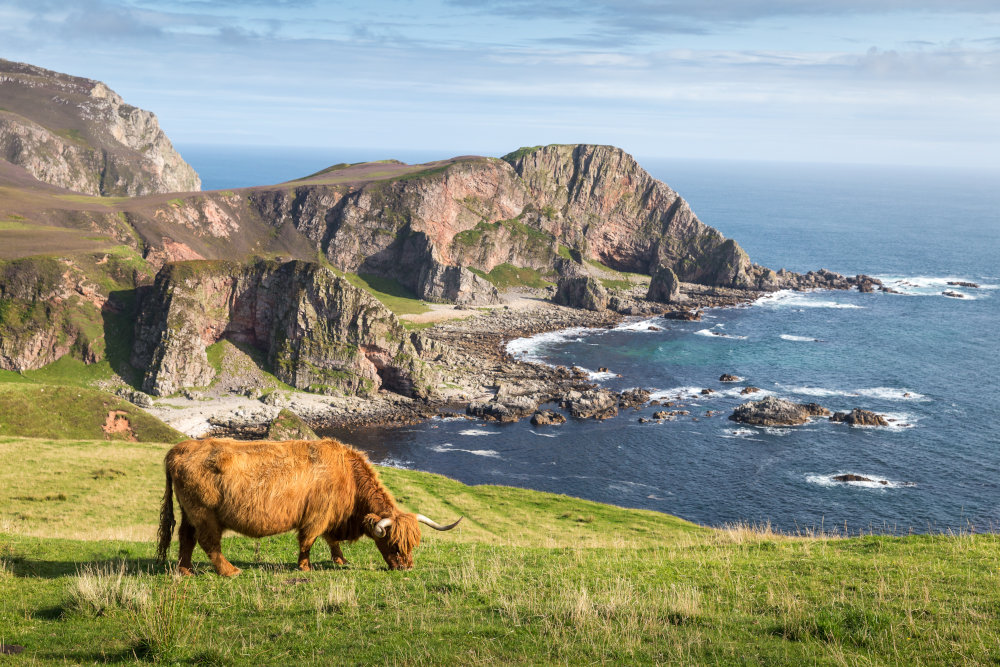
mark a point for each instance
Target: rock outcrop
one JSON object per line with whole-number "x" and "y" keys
{"x": 593, "y": 403}
{"x": 581, "y": 292}
{"x": 859, "y": 417}
{"x": 289, "y": 426}
{"x": 771, "y": 411}
{"x": 79, "y": 134}
{"x": 547, "y": 418}
{"x": 319, "y": 332}
{"x": 664, "y": 287}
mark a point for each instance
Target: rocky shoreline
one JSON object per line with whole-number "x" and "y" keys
{"x": 483, "y": 381}
{"x": 479, "y": 378}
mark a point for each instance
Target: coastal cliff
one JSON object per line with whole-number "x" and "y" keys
{"x": 319, "y": 333}
{"x": 79, "y": 134}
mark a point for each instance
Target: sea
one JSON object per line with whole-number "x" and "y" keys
{"x": 927, "y": 361}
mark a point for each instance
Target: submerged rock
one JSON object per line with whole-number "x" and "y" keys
{"x": 963, "y": 283}
{"x": 857, "y": 478}
{"x": 727, "y": 377}
{"x": 749, "y": 390}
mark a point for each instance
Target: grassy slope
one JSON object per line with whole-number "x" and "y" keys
{"x": 528, "y": 577}
{"x": 46, "y": 411}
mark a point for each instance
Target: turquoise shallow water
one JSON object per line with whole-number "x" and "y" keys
{"x": 927, "y": 361}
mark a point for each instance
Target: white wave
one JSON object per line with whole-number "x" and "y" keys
{"x": 740, "y": 433}
{"x": 876, "y": 483}
{"x": 598, "y": 375}
{"x": 532, "y": 347}
{"x": 447, "y": 448}
{"x": 477, "y": 432}
{"x": 641, "y": 325}
{"x": 777, "y": 430}
{"x": 546, "y": 435}
{"x": 800, "y": 339}
{"x": 448, "y": 419}
{"x": 881, "y": 393}
{"x": 793, "y": 299}
{"x": 718, "y": 334}
{"x": 391, "y": 462}
{"x": 675, "y": 393}
{"x": 934, "y": 285}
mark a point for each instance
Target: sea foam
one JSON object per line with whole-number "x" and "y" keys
{"x": 880, "y": 393}
{"x": 800, "y": 339}
{"x": 477, "y": 432}
{"x": 447, "y": 448}
{"x": 530, "y": 348}
{"x": 792, "y": 299}
{"x": 828, "y": 480}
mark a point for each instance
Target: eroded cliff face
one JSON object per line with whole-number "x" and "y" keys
{"x": 320, "y": 333}
{"x": 79, "y": 134}
{"x": 427, "y": 228}
{"x": 601, "y": 202}
{"x": 51, "y": 307}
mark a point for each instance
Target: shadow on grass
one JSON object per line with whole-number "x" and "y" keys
{"x": 30, "y": 568}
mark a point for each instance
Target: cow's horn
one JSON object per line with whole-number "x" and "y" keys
{"x": 381, "y": 526}
{"x": 434, "y": 524}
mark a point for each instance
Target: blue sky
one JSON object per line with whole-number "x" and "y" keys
{"x": 857, "y": 81}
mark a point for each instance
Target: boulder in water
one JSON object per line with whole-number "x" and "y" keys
{"x": 771, "y": 411}
{"x": 859, "y": 417}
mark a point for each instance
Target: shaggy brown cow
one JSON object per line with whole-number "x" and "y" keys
{"x": 319, "y": 488}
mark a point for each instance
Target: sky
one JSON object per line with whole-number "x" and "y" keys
{"x": 913, "y": 82}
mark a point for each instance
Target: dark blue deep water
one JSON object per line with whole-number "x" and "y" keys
{"x": 925, "y": 360}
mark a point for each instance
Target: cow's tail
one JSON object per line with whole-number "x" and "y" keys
{"x": 167, "y": 522}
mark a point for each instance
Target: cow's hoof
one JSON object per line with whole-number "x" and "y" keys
{"x": 231, "y": 573}
{"x": 340, "y": 561}
{"x": 185, "y": 572}
{"x": 305, "y": 567}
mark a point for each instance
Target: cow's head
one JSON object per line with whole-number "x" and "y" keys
{"x": 397, "y": 536}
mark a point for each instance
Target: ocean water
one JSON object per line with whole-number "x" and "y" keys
{"x": 927, "y": 361}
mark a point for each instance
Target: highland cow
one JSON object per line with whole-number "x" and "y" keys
{"x": 318, "y": 488}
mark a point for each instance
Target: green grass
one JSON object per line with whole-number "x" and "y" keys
{"x": 526, "y": 578}
{"x": 393, "y": 295}
{"x": 508, "y": 275}
{"x": 514, "y": 156}
{"x": 50, "y": 411}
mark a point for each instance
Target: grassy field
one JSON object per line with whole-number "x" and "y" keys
{"x": 527, "y": 578}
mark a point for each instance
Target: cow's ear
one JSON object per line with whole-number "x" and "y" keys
{"x": 369, "y": 524}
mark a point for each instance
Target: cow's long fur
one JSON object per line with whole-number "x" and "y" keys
{"x": 318, "y": 488}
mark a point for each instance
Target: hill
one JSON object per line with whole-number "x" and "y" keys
{"x": 79, "y": 134}
{"x": 528, "y": 577}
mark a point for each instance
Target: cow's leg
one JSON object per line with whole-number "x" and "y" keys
{"x": 336, "y": 555}
{"x": 209, "y": 534}
{"x": 185, "y": 535}
{"x": 306, "y": 540}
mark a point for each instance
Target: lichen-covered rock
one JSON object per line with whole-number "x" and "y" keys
{"x": 771, "y": 411}
{"x": 859, "y": 417}
{"x": 289, "y": 426}
{"x": 79, "y": 134}
{"x": 320, "y": 333}
{"x": 581, "y": 292}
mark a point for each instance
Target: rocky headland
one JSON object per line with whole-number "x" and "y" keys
{"x": 274, "y": 297}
